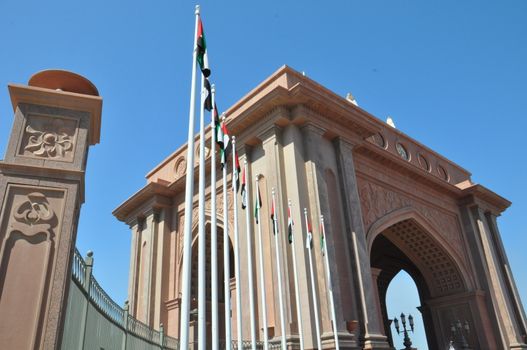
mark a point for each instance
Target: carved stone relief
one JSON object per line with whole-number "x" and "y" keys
{"x": 34, "y": 215}
{"x": 377, "y": 201}
{"x": 180, "y": 167}
{"x": 49, "y": 137}
{"x": 28, "y": 229}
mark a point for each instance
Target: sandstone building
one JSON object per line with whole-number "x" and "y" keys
{"x": 390, "y": 203}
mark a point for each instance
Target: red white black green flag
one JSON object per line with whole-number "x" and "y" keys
{"x": 243, "y": 192}
{"x": 289, "y": 226}
{"x": 201, "y": 46}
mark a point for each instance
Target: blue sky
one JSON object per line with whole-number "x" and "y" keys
{"x": 451, "y": 74}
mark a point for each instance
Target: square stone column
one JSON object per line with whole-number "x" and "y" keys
{"x": 41, "y": 189}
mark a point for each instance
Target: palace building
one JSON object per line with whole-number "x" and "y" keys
{"x": 389, "y": 202}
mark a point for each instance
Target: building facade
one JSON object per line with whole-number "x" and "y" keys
{"x": 389, "y": 202}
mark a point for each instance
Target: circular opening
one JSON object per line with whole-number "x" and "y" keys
{"x": 443, "y": 173}
{"x": 423, "y": 162}
{"x": 402, "y": 151}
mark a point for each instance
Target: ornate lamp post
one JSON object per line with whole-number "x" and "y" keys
{"x": 458, "y": 332}
{"x": 407, "y": 341}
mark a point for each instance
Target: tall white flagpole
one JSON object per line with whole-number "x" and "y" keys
{"x": 260, "y": 259}
{"x": 202, "y": 284}
{"x": 213, "y": 228}
{"x": 189, "y": 191}
{"x": 226, "y": 258}
{"x": 249, "y": 255}
{"x": 309, "y": 240}
{"x": 297, "y": 290}
{"x": 330, "y": 286}
{"x": 279, "y": 270}
{"x": 236, "y": 247}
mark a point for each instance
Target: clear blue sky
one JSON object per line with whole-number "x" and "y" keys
{"x": 452, "y": 75}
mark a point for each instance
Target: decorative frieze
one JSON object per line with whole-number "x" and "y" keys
{"x": 49, "y": 137}
{"x": 378, "y": 201}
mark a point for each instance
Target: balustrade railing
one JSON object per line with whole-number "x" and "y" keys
{"x": 82, "y": 276}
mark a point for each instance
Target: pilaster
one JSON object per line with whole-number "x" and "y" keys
{"x": 369, "y": 308}
{"x": 503, "y": 307}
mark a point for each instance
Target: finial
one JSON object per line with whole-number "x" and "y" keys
{"x": 197, "y": 10}
{"x": 305, "y": 211}
{"x": 89, "y": 253}
{"x": 256, "y": 178}
{"x": 272, "y": 191}
{"x": 223, "y": 116}
{"x": 213, "y": 88}
{"x": 233, "y": 138}
{"x": 245, "y": 162}
{"x": 289, "y": 202}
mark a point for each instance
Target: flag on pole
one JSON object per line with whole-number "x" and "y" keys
{"x": 237, "y": 171}
{"x": 272, "y": 215}
{"x": 289, "y": 225}
{"x": 225, "y": 149}
{"x": 201, "y": 45}
{"x": 243, "y": 191}
{"x": 309, "y": 238}
{"x": 217, "y": 127}
{"x": 258, "y": 203}
{"x": 322, "y": 240}
{"x": 207, "y": 104}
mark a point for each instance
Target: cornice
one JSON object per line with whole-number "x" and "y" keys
{"x": 158, "y": 196}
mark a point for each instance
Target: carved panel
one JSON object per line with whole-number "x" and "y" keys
{"x": 47, "y": 137}
{"x": 378, "y": 201}
{"x": 181, "y": 167}
{"x": 29, "y": 224}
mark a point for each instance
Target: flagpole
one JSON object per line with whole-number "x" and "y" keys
{"x": 226, "y": 259}
{"x": 262, "y": 276}
{"x": 202, "y": 284}
{"x": 313, "y": 290}
{"x": 236, "y": 246}
{"x": 189, "y": 191}
{"x": 297, "y": 290}
{"x": 249, "y": 257}
{"x": 330, "y": 286}
{"x": 279, "y": 270}
{"x": 213, "y": 228}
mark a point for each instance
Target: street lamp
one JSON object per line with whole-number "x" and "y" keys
{"x": 458, "y": 331}
{"x": 407, "y": 341}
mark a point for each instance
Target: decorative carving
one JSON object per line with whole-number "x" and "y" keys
{"x": 180, "y": 167}
{"x": 51, "y": 139}
{"x": 377, "y": 201}
{"x": 34, "y": 215}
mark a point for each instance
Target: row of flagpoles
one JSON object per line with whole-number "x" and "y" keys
{"x": 220, "y": 138}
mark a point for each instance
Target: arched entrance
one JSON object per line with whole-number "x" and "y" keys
{"x": 409, "y": 243}
{"x": 208, "y": 269}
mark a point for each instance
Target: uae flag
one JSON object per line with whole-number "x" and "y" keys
{"x": 309, "y": 238}
{"x": 201, "y": 55}
{"x": 207, "y": 104}
{"x": 225, "y": 148}
{"x": 217, "y": 128}
{"x": 272, "y": 217}
{"x": 243, "y": 192}
{"x": 236, "y": 171}
{"x": 258, "y": 204}
{"x": 289, "y": 226}
{"x": 322, "y": 240}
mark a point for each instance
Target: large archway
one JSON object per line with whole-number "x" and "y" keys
{"x": 208, "y": 290}
{"x": 407, "y": 243}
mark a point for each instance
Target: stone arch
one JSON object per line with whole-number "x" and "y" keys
{"x": 194, "y": 244}
{"x": 405, "y": 240}
{"x": 410, "y": 214}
